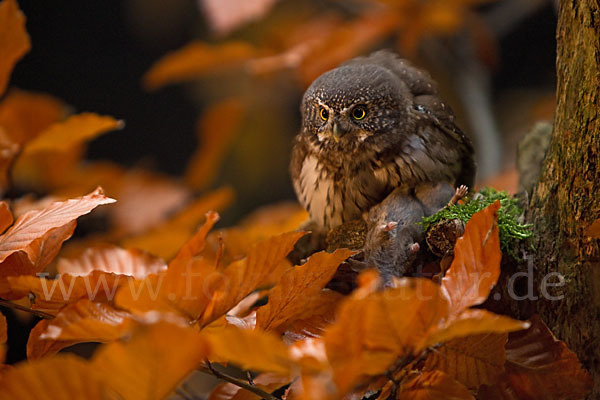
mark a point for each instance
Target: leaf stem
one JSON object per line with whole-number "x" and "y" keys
{"x": 238, "y": 382}
{"x": 15, "y": 306}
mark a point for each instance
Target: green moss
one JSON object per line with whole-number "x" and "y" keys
{"x": 511, "y": 230}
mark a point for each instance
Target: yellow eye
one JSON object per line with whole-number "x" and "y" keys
{"x": 359, "y": 113}
{"x": 324, "y": 114}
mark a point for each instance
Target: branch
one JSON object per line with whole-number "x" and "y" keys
{"x": 238, "y": 382}
{"x": 15, "y": 306}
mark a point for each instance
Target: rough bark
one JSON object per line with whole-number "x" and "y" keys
{"x": 566, "y": 200}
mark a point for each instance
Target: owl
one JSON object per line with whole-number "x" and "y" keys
{"x": 374, "y": 125}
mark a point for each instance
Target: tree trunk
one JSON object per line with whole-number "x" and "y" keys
{"x": 566, "y": 200}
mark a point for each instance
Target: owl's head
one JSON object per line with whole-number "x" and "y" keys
{"x": 346, "y": 106}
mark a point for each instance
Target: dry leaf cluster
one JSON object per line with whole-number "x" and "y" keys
{"x": 166, "y": 298}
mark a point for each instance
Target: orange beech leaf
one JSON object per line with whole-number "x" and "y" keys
{"x": 109, "y": 258}
{"x": 14, "y": 40}
{"x": 152, "y": 362}
{"x": 539, "y": 366}
{"x": 225, "y": 16}
{"x": 53, "y": 294}
{"x": 65, "y": 377}
{"x": 244, "y": 276}
{"x": 476, "y": 265}
{"x": 292, "y": 294}
{"x": 84, "y": 321}
{"x": 145, "y": 200}
{"x": 215, "y": 135}
{"x": 310, "y": 352}
{"x": 249, "y": 349}
{"x": 37, "y": 348}
{"x": 166, "y": 239}
{"x": 318, "y": 314}
{"x": 35, "y": 224}
{"x": 195, "y": 60}
{"x": 28, "y": 203}
{"x": 6, "y": 217}
{"x": 185, "y": 288}
{"x": 35, "y": 238}
{"x": 373, "y": 329}
{"x": 77, "y": 129}
{"x": 196, "y": 244}
{"x": 431, "y": 386}
{"x": 268, "y": 382}
{"x": 472, "y": 360}
{"x": 86, "y": 176}
{"x": 23, "y": 115}
{"x": 8, "y": 151}
{"x": 315, "y": 386}
{"x": 347, "y": 41}
{"x": 19, "y": 263}
{"x": 259, "y": 225}
{"x": 471, "y": 322}
{"x": 185, "y": 292}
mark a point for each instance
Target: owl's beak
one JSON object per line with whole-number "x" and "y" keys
{"x": 338, "y": 131}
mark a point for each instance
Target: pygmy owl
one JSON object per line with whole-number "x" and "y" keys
{"x": 369, "y": 127}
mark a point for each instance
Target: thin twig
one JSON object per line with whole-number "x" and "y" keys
{"x": 238, "y": 382}
{"x": 15, "y": 306}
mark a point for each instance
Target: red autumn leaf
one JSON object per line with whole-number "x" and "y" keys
{"x": 14, "y": 40}
{"x": 148, "y": 365}
{"x": 431, "y": 386}
{"x": 84, "y": 321}
{"x": 196, "y": 59}
{"x": 225, "y": 16}
{"x": 290, "y": 297}
{"x": 476, "y": 265}
{"x": 472, "y": 360}
{"x": 268, "y": 382}
{"x": 244, "y": 276}
{"x": 539, "y": 366}
{"x": 65, "y": 377}
{"x": 77, "y": 129}
{"x": 109, "y": 258}
{"x": 215, "y": 135}
{"x": 35, "y": 238}
{"x": 6, "y": 217}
